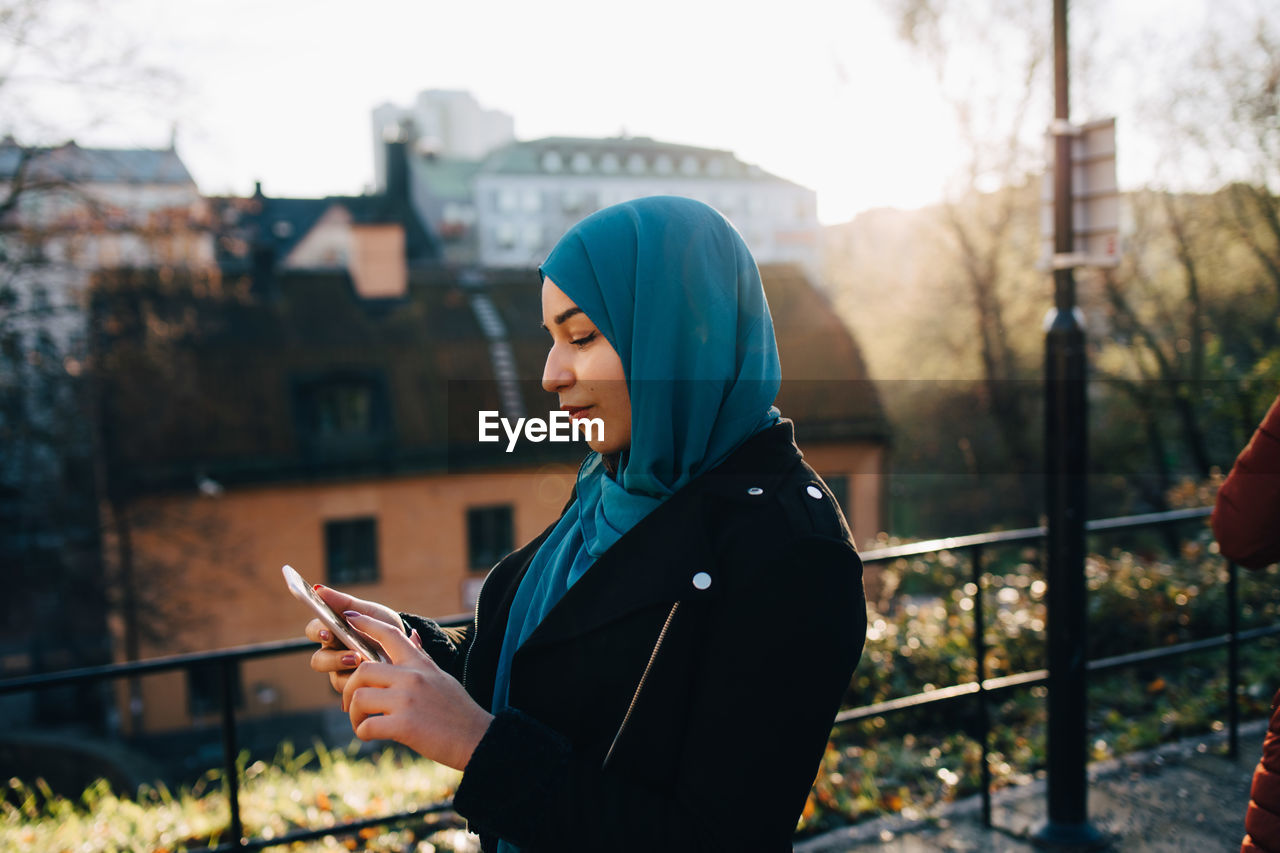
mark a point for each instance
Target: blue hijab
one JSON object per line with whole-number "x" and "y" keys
{"x": 673, "y": 288}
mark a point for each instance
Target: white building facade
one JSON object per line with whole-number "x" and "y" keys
{"x": 527, "y": 194}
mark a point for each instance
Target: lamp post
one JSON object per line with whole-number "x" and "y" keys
{"x": 1066, "y": 459}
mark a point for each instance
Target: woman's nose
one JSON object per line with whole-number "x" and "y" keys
{"x": 556, "y": 374}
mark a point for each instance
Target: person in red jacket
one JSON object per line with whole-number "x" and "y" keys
{"x": 1246, "y": 523}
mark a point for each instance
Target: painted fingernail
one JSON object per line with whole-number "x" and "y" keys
{"x": 325, "y": 635}
{"x": 416, "y": 638}
{"x": 351, "y": 614}
{"x": 350, "y": 660}
{"x": 317, "y": 587}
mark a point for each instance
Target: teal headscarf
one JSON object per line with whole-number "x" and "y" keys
{"x": 674, "y": 289}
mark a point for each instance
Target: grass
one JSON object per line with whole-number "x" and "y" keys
{"x": 313, "y": 789}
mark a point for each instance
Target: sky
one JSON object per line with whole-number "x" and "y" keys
{"x": 821, "y": 92}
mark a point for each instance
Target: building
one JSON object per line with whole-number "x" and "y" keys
{"x": 69, "y": 210}
{"x": 495, "y": 201}
{"x": 527, "y": 194}
{"x": 338, "y": 433}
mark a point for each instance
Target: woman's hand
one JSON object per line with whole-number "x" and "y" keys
{"x": 411, "y": 700}
{"x": 334, "y": 658}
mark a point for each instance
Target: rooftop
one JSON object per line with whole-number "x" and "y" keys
{"x": 621, "y": 157}
{"x": 70, "y": 162}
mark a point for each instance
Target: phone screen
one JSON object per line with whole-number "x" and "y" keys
{"x": 332, "y": 620}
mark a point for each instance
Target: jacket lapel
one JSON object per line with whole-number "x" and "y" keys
{"x": 653, "y": 562}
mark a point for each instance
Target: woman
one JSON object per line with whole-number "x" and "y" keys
{"x": 658, "y": 670}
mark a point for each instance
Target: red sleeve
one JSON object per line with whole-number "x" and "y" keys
{"x": 1246, "y": 517}
{"x": 1262, "y": 818}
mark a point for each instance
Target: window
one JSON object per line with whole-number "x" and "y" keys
{"x": 351, "y": 551}
{"x": 689, "y": 165}
{"x": 636, "y": 164}
{"x": 581, "y": 162}
{"x": 505, "y": 235}
{"x": 839, "y": 486}
{"x": 663, "y": 165}
{"x": 204, "y": 688}
{"x": 343, "y": 408}
{"x": 532, "y": 235}
{"x": 341, "y": 414}
{"x": 552, "y": 161}
{"x": 609, "y": 163}
{"x": 489, "y": 535}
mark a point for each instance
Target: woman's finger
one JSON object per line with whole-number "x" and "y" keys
{"x": 369, "y": 674}
{"x": 365, "y": 702}
{"x": 316, "y": 632}
{"x": 376, "y": 728}
{"x": 398, "y": 647}
{"x": 334, "y": 660}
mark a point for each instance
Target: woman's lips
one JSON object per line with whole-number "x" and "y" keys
{"x": 575, "y": 411}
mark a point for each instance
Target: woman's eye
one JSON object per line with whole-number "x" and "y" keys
{"x": 583, "y": 341}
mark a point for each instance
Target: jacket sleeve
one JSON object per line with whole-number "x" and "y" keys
{"x": 446, "y": 646}
{"x": 1246, "y": 516}
{"x": 776, "y": 658}
{"x": 1262, "y": 818}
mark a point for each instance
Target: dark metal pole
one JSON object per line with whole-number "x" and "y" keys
{"x": 229, "y": 748}
{"x": 1066, "y": 459}
{"x": 980, "y": 654}
{"x": 1233, "y": 660}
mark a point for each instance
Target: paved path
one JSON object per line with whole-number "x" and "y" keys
{"x": 1185, "y": 796}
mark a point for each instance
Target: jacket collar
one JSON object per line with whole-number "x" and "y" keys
{"x": 668, "y": 555}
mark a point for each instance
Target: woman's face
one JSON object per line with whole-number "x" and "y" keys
{"x": 585, "y": 371}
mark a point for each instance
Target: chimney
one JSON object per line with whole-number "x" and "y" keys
{"x": 398, "y": 171}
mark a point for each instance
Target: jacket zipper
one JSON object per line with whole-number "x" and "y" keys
{"x": 662, "y": 635}
{"x": 466, "y": 663}
{"x": 475, "y": 631}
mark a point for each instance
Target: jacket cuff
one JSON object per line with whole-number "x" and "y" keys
{"x": 507, "y": 787}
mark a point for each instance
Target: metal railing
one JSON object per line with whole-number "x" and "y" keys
{"x": 981, "y": 688}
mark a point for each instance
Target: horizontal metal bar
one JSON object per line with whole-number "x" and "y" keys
{"x": 1041, "y": 676}
{"x": 260, "y": 843}
{"x": 170, "y": 662}
{"x": 1030, "y": 534}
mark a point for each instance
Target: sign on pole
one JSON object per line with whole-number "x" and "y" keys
{"x": 1095, "y": 196}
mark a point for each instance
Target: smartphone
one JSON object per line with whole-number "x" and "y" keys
{"x": 332, "y": 619}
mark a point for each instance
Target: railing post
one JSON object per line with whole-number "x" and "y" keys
{"x": 1233, "y": 661}
{"x": 229, "y": 748}
{"x": 980, "y": 655}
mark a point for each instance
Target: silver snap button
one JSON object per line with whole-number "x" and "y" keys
{"x": 814, "y": 492}
{"x": 701, "y": 580}
{"x": 755, "y": 490}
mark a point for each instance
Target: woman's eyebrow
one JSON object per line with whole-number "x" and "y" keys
{"x": 562, "y": 316}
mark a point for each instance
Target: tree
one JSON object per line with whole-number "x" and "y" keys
{"x": 982, "y": 258}
{"x": 58, "y": 58}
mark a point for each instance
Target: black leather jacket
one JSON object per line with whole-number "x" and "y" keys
{"x": 681, "y": 694}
